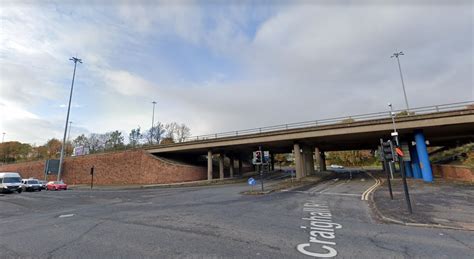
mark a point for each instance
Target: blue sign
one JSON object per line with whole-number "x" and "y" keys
{"x": 251, "y": 181}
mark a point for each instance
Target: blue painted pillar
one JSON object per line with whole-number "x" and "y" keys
{"x": 408, "y": 171}
{"x": 415, "y": 163}
{"x": 423, "y": 156}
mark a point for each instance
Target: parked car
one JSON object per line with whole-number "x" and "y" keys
{"x": 10, "y": 182}
{"x": 31, "y": 185}
{"x": 43, "y": 184}
{"x": 56, "y": 185}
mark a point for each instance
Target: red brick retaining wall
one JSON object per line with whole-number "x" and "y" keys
{"x": 459, "y": 173}
{"x": 125, "y": 167}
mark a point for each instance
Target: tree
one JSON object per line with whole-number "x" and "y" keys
{"x": 114, "y": 140}
{"x": 81, "y": 140}
{"x": 165, "y": 141}
{"x": 155, "y": 134}
{"x": 134, "y": 137}
{"x": 281, "y": 159}
{"x": 14, "y": 151}
{"x": 94, "y": 143}
{"x": 53, "y": 147}
{"x": 351, "y": 158}
{"x": 171, "y": 129}
{"x": 182, "y": 132}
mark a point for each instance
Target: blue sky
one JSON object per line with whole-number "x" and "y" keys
{"x": 209, "y": 64}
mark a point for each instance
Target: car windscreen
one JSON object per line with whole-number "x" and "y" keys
{"x": 32, "y": 182}
{"x": 11, "y": 180}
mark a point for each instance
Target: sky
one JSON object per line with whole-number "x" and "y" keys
{"x": 219, "y": 66}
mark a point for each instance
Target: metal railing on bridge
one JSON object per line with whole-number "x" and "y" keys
{"x": 338, "y": 120}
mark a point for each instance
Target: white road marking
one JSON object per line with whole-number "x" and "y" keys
{"x": 66, "y": 215}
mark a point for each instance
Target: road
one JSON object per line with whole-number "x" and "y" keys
{"x": 214, "y": 221}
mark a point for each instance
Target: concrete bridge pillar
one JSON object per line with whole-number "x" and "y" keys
{"x": 221, "y": 166}
{"x": 308, "y": 162}
{"x": 272, "y": 162}
{"x": 311, "y": 162}
{"x": 317, "y": 157}
{"x": 209, "y": 165}
{"x": 322, "y": 164}
{"x": 240, "y": 166}
{"x": 231, "y": 168}
{"x": 298, "y": 161}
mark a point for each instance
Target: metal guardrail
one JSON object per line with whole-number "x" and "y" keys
{"x": 335, "y": 121}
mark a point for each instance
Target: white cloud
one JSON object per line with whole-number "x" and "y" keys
{"x": 296, "y": 62}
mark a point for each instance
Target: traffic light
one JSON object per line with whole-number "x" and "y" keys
{"x": 388, "y": 152}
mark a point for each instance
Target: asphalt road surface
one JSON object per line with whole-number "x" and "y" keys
{"x": 328, "y": 219}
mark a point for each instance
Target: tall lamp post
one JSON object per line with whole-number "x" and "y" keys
{"x": 69, "y": 132}
{"x": 152, "y": 122}
{"x": 75, "y": 60}
{"x": 3, "y": 147}
{"x": 395, "y": 55}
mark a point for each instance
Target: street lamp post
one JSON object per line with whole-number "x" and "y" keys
{"x": 3, "y": 147}
{"x": 152, "y": 122}
{"x": 396, "y": 54}
{"x": 75, "y": 60}
{"x": 69, "y": 132}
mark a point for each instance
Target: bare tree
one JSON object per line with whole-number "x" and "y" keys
{"x": 171, "y": 129}
{"x": 182, "y": 132}
{"x": 155, "y": 134}
{"x": 134, "y": 137}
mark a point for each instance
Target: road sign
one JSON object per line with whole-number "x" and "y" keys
{"x": 266, "y": 157}
{"x": 52, "y": 166}
{"x": 257, "y": 157}
{"x": 251, "y": 181}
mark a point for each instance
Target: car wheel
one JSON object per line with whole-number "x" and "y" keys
{"x": 19, "y": 190}
{"x": 39, "y": 190}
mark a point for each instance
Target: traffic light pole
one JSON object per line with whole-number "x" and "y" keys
{"x": 388, "y": 178}
{"x": 388, "y": 170}
{"x": 405, "y": 185}
{"x": 399, "y": 154}
{"x": 261, "y": 168}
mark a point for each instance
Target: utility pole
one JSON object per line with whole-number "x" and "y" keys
{"x": 75, "y": 60}
{"x": 152, "y": 121}
{"x": 396, "y": 54}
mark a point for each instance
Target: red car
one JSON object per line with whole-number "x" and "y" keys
{"x": 56, "y": 185}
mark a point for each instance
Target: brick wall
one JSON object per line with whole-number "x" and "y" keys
{"x": 452, "y": 172}
{"x": 125, "y": 167}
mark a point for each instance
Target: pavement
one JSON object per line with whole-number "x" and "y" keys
{"x": 444, "y": 204}
{"x": 326, "y": 219}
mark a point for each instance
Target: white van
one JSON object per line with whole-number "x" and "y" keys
{"x": 10, "y": 182}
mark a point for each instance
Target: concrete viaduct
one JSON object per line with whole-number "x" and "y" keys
{"x": 305, "y": 140}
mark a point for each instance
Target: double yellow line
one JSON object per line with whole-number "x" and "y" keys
{"x": 365, "y": 195}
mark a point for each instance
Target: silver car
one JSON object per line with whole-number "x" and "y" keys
{"x": 31, "y": 185}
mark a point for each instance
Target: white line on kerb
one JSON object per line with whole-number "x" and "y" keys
{"x": 66, "y": 215}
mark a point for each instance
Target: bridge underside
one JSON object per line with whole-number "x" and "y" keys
{"x": 440, "y": 129}
{"x": 450, "y": 135}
